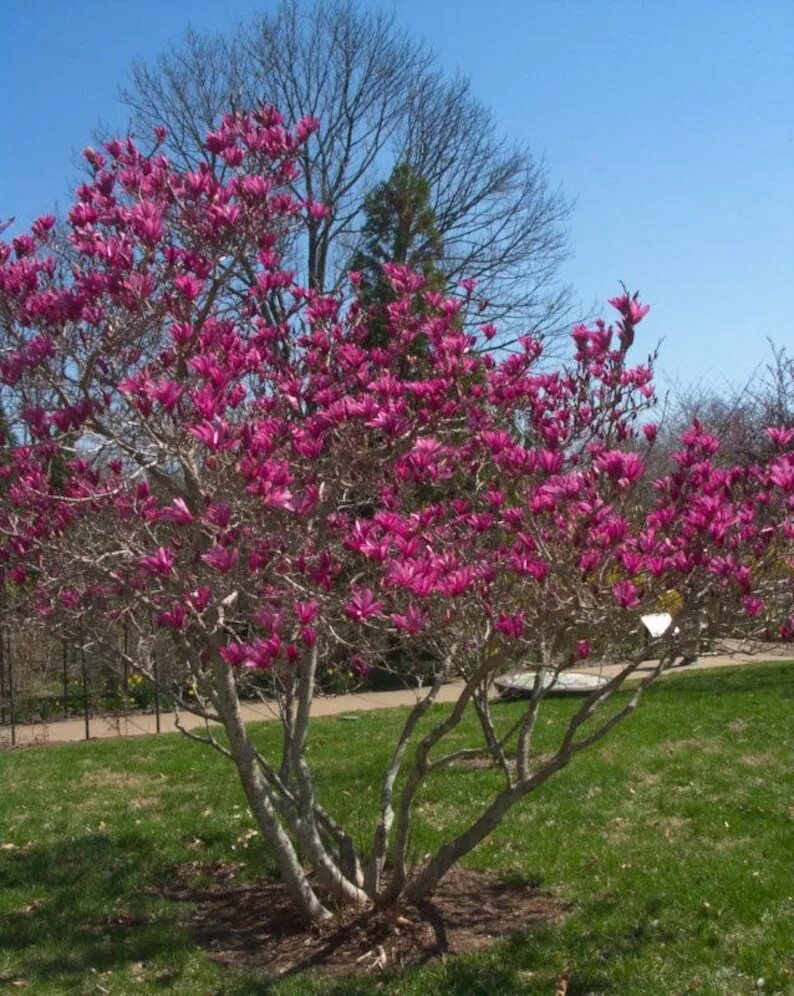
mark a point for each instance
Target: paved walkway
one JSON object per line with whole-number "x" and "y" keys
{"x": 144, "y": 724}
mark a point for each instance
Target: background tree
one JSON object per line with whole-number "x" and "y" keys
{"x": 382, "y": 100}
{"x": 399, "y": 227}
{"x": 739, "y": 414}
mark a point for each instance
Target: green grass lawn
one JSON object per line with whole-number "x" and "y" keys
{"x": 673, "y": 841}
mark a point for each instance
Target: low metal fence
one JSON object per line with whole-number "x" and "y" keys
{"x": 45, "y": 679}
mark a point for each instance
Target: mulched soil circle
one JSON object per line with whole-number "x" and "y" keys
{"x": 253, "y": 924}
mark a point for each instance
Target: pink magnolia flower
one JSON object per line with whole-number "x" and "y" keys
{"x": 626, "y": 594}
{"x": 222, "y": 558}
{"x": 657, "y": 566}
{"x": 315, "y": 210}
{"x": 550, "y": 461}
{"x": 780, "y": 436}
{"x": 219, "y": 514}
{"x": 176, "y": 512}
{"x": 650, "y": 431}
{"x": 324, "y": 571}
{"x": 262, "y": 653}
{"x": 305, "y": 127}
{"x": 783, "y": 476}
{"x": 181, "y": 333}
{"x": 269, "y": 618}
{"x": 625, "y": 468}
{"x": 363, "y": 606}
{"x": 200, "y": 598}
{"x": 188, "y": 286}
{"x": 306, "y": 612}
{"x": 70, "y": 598}
{"x": 308, "y": 635}
{"x": 696, "y": 439}
{"x": 360, "y": 667}
{"x": 160, "y": 562}
{"x": 18, "y": 574}
{"x": 630, "y": 307}
{"x": 457, "y": 582}
{"x": 173, "y": 618}
{"x": 43, "y": 225}
{"x": 214, "y": 435}
{"x": 411, "y": 621}
{"x": 234, "y": 653}
{"x": 510, "y": 625}
{"x": 528, "y": 566}
{"x": 633, "y": 562}
{"x": 410, "y": 574}
{"x": 590, "y": 561}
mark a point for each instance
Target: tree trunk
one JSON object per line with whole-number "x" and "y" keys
{"x": 292, "y": 873}
{"x": 305, "y": 827}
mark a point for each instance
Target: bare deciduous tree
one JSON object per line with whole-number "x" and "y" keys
{"x": 381, "y": 99}
{"x": 737, "y": 414}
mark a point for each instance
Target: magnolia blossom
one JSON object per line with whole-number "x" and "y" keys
{"x": 363, "y": 605}
{"x": 160, "y": 562}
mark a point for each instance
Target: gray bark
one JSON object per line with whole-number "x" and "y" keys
{"x": 256, "y": 790}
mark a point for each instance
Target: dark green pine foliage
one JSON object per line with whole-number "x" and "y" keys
{"x": 399, "y": 227}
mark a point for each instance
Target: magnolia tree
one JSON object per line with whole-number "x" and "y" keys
{"x": 277, "y": 498}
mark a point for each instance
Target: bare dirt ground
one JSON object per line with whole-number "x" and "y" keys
{"x": 144, "y": 724}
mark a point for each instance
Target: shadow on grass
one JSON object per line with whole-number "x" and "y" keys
{"x": 95, "y": 914}
{"x": 102, "y": 909}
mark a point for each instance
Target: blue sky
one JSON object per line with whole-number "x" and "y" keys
{"x": 669, "y": 123}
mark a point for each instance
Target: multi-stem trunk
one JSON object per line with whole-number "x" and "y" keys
{"x": 427, "y": 878}
{"x": 297, "y": 829}
{"x": 262, "y": 805}
{"x": 305, "y": 824}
